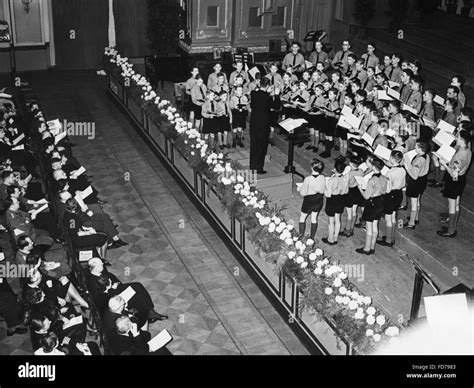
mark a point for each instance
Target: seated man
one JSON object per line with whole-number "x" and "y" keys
{"x": 103, "y": 285}
{"x": 20, "y": 223}
{"x": 130, "y": 340}
{"x": 10, "y": 309}
{"x": 99, "y": 221}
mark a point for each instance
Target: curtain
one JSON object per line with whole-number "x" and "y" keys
{"x": 86, "y": 21}
{"x": 131, "y": 20}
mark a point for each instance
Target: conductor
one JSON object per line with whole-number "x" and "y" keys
{"x": 261, "y": 104}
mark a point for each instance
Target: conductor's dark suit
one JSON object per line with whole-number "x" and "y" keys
{"x": 261, "y": 104}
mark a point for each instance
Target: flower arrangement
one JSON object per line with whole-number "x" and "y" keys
{"x": 326, "y": 288}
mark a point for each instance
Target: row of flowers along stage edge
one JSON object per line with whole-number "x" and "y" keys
{"x": 326, "y": 288}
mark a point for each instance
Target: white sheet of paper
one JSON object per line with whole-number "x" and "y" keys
{"x": 59, "y": 137}
{"x": 85, "y": 256}
{"x": 39, "y": 210}
{"x": 347, "y": 170}
{"x": 18, "y": 139}
{"x": 369, "y": 139}
{"x": 346, "y": 111}
{"x": 443, "y": 125}
{"x": 127, "y": 294}
{"x": 354, "y": 121}
{"x": 54, "y": 124}
{"x": 383, "y": 96}
{"x": 17, "y": 232}
{"x": 343, "y": 123}
{"x": 393, "y": 93}
{"x": 428, "y": 122}
{"x": 42, "y": 201}
{"x": 84, "y": 194}
{"x": 409, "y": 109}
{"x": 290, "y": 125}
{"x": 393, "y": 84}
{"x": 438, "y": 100}
{"x": 361, "y": 182}
{"x": 5, "y": 95}
{"x": 253, "y": 71}
{"x": 73, "y": 322}
{"x": 160, "y": 340}
{"x": 80, "y": 171}
{"x": 382, "y": 152}
{"x": 19, "y": 148}
{"x": 308, "y": 64}
{"x": 444, "y": 138}
{"x": 445, "y": 153}
{"x": 363, "y": 167}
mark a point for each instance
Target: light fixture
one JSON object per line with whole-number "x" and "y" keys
{"x": 26, "y": 5}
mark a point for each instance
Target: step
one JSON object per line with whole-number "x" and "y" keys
{"x": 417, "y": 50}
{"x": 441, "y": 33}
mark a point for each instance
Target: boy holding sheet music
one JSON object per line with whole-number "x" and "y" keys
{"x": 417, "y": 165}
{"x": 332, "y": 109}
{"x": 316, "y": 117}
{"x": 337, "y": 187}
{"x": 392, "y": 200}
{"x": 353, "y": 199}
{"x": 456, "y": 182}
{"x": 373, "y": 192}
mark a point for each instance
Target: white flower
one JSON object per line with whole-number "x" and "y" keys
{"x": 298, "y": 244}
{"x": 380, "y": 320}
{"x": 337, "y": 282}
{"x": 318, "y": 271}
{"x": 328, "y": 291}
{"x": 299, "y": 259}
{"x": 371, "y": 310}
{"x": 369, "y": 333}
{"x": 309, "y": 242}
{"x": 276, "y": 220}
{"x": 345, "y": 300}
{"x": 370, "y": 320}
{"x": 367, "y": 300}
{"x": 342, "y": 276}
{"x": 319, "y": 263}
{"x": 338, "y": 299}
{"x": 291, "y": 255}
{"x": 359, "y": 314}
{"x": 304, "y": 264}
{"x": 355, "y": 295}
{"x": 377, "y": 337}
{"x": 342, "y": 290}
{"x": 353, "y": 305}
{"x": 312, "y": 256}
{"x": 289, "y": 241}
{"x": 392, "y": 331}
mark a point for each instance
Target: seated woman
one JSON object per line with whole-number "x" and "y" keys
{"x": 83, "y": 236}
{"x": 61, "y": 292}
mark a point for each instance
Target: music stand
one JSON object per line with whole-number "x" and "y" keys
{"x": 293, "y": 137}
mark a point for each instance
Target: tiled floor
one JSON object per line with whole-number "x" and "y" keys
{"x": 172, "y": 251}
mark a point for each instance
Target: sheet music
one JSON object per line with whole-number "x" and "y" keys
{"x": 59, "y": 137}
{"x": 383, "y": 96}
{"x": 383, "y": 152}
{"x": 393, "y": 84}
{"x": 346, "y": 111}
{"x": 290, "y": 125}
{"x": 80, "y": 171}
{"x": 393, "y": 93}
{"x": 253, "y": 71}
{"x": 73, "y": 322}
{"x": 17, "y": 232}
{"x": 444, "y": 138}
{"x": 18, "y": 139}
{"x": 19, "y": 148}
{"x": 127, "y": 294}
{"x": 439, "y": 100}
{"x": 367, "y": 138}
{"x": 37, "y": 211}
{"x": 443, "y": 125}
{"x": 160, "y": 340}
{"x": 445, "y": 153}
{"x": 410, "y": 109}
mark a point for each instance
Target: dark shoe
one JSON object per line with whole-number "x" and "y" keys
{"x": 372, "y": 252}
{"x": 360, "y": 225}
{"x": 263, "y": 172}
{"x": 17, "y": 330}
{"x": 362, "y": 251}
{"x": 417, "y": 222}
{"x": 325, "y": 154}
{"x": 380, "y": 240}
{"x": 117, "y": 244}
{"x": 240, "y": 144}
{"x": 406, "y": 225}
{"x": 445, "y": 233}
{"x": 153, "y": 316}
{"x": 384, "y": 243}
{"x": 326, "y": 241}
